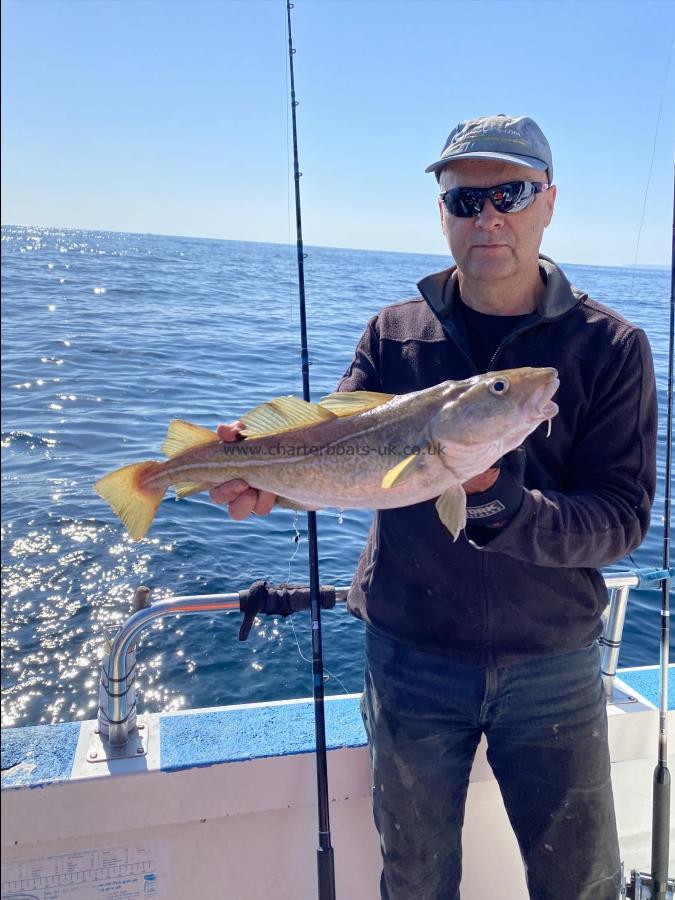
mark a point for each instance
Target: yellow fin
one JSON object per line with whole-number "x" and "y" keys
{"x": 134, "y": 503}
{"x": 451, "y": 508}
{"x": 283, "y": 414}
{"x": 349, "y": 403}
{"x": 183, "y": 436}
{"x": 188, "y": 488}
{"x": 403, "y": 470}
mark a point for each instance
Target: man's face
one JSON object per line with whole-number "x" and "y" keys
{"x": 492, "y": 245}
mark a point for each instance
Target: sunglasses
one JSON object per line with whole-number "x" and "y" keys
{"x": 511, "y": 197}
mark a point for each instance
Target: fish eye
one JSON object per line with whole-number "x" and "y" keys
{"x": 499, "y": 386}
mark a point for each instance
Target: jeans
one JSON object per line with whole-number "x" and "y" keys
{"x": 546, "y": 726}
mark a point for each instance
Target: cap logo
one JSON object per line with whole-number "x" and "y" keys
{"x": 517, "y": 145}
{"x": 485, "y": 129}
{"x": 499, "y": 138}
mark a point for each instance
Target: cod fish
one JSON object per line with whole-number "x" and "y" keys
{"x": 351, "y": 450}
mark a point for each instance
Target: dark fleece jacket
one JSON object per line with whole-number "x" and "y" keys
{"x": 534, "y": 588}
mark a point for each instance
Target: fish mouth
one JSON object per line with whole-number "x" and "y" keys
{"x": 541, "y": 406}
{"x": 549, "y": 409}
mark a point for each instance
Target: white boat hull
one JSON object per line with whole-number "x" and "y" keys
{"x": 207, "y": 812}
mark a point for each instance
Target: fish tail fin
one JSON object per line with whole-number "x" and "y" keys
{"x": 132, "y": 498}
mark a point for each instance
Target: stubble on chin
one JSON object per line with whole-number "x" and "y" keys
{"x": 491, "y": 264}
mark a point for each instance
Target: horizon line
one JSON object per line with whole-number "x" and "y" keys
{"x": 189, "y": 237}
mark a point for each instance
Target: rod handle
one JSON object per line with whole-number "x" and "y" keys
{"x": 660, "y": 831}
{"x": 267, "y": 599}
{"x": 326, "y": 871}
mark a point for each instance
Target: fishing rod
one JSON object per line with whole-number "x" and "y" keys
{"x": 657, "y": 885}
{"x": 661, "y": 790}
{"x": 325, "y": 861}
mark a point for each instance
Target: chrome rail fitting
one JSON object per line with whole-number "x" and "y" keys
{"x": 619, "y": 585}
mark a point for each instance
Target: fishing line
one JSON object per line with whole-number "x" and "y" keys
{"x": 289, "y": 273}
{"x": 327, "y": 673}
{"x": 296, "y": 538}
{"x": 661, "y": 780}
{"x": 649, "y": 174}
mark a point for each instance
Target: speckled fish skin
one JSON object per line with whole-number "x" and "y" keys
{"x": 457, "y": 428}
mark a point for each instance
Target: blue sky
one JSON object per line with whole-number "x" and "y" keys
{"x": 172, "y": 117}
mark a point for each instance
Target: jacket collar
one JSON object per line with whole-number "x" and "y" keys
{"x": 558, "y": 298}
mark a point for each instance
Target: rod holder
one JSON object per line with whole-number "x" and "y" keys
{"x": 610, "y": 640}
{"x": 111, "y": 686}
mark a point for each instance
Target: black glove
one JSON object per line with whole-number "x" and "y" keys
{"x": 503, "y": 500}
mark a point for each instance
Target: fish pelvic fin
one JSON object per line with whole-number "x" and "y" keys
{"x": 188, "y": 488}
{"x": 451, "y": 508}
{"x": 349, "y": 403}
{"x": 182, "y": 436}
{"x": 283, "y": 414}
{"x": 132, "y": 500}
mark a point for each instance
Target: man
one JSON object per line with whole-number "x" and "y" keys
{"x": 496, "y": 633}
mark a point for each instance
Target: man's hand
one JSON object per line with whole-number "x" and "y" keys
{"x": 495, "y": 496}
{"x": 241, "y": 499}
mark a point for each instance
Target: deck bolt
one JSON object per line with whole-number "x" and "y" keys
{"x": 139, "y": 750}
{"x": 93, "y": 755}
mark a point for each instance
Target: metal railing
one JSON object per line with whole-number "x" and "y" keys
{"x": 619, "y": 585}
{"x": 117, "y": 703}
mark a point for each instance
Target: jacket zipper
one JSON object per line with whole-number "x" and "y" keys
{"x": 528, "y": 326}
{"x": 451, "y": 334}
{"x": 491, "y": 367}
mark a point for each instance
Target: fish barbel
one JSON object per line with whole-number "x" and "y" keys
{"x": 351, "y": 450}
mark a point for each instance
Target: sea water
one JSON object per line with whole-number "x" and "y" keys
{"x": 106, "y": 338}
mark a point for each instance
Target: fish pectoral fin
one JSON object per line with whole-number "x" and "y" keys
{"x": 285, "y": 503}
{"x": 451, "y": 507}
{"x": 183, "y": 436}
{"x": 349, "y": 403}
{"x": 283, "y": 414}
{"x": 188, "y": 488}
{"x": 404, "y": 470}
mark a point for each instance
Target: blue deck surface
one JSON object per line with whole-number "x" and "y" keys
{"x": 645, "y": 681}
{"x": 205, "y": 738}
{"x": 44, "y": 754}
{"x": 38, "y": 754}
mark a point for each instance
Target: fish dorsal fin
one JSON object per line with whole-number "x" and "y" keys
{"x": 349, "y": 403}
{"x": 283, "y": 414}
{"x": 183, "y": 436}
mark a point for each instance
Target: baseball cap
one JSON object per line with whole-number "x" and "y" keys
{"x": 516, "y": 139}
